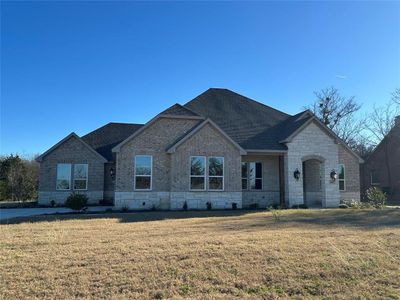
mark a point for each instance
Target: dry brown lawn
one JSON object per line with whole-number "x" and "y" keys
{"x": 331, "y": 254}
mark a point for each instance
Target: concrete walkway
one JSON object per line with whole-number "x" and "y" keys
{"x": 9, "y": 213}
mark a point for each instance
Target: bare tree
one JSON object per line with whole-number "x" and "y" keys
{"x": 378, "y": 128}
{"x": 338, "y": 113}
{"x": 380, "y": 121}
{"x": 396, "y": 96}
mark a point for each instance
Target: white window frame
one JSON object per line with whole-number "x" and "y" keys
{"x": 344, "y": 178}
{"x": 201, "y": 176}
{"x": 151, "y": 173}
{"x": 70, "y": 171}
{"x": 87, "y": 178}
{"x": 223, "y": 174}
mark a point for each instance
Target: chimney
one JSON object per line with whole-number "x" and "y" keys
{"x": 397, "y": 121}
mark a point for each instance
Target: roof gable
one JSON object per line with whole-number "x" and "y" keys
{"x": 304, "y": 120}
{"x": 67, "y": 138}
{"x": 192, "y": 132}
{"x": 103, "y": 139}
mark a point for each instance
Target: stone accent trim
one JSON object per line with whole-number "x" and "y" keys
{"x": 176, "y": 200}
{"x": 262, "y": 199}
{"x": 59, "y": 197}
{"x": 348, "y": 196}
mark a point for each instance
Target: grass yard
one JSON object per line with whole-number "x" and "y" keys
{"x": 332, "y": 254}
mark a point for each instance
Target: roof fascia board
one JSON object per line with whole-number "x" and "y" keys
{"x": 172, "y": 149}
{"x": 72, "y": 134}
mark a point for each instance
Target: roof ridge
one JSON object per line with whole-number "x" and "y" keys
{"x": 240, "y": 95}
{"x": 177, "y": 106}
{"x": 124, "y": 123}
{"x": 265, "y": 105}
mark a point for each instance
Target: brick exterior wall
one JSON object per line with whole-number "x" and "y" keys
{"x": 170, "y": 187}
{"x": 71, "y": 151}
{"x": 206, "y": 142}
{"x": 170, "y": 178}
{"x": 352, "y": 175}
{"x": 311, "y": 143}
{"x": 377, "y": 163}
{"x": 154, "y": 141}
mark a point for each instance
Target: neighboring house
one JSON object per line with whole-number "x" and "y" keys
{"x": 382, "y": 168}
{"x": 220, "y": 148}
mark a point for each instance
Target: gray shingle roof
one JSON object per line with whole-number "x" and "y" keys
{"x": 251, "y": 124}
{"x": 178, "y": 110}
{"x": 106, "y": 137}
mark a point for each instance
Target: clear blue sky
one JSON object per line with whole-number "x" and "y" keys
{"x": 74, "y": 66}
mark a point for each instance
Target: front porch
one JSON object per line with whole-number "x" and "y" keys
{"x": 282, "y": 179}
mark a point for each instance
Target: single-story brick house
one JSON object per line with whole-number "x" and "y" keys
{"x": 382, "y": 168}
{"x": 220, "y": 148}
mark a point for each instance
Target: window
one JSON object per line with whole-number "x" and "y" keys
{"x": 244, "y": 176}
{"x": 63, "y": 177}
{"x": 80, "y": 176}
{"x": 342, "y": 184}
{"x": 252, "y": 176}
{"x": 374, "y": 178}
{"x": 143, "y": 172}
{"x": 215, "y": 173}
{"x": 197, "y": 172}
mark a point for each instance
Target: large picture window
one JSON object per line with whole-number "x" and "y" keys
{"x": 215, "y": 173}
{"x": 80, "y": 176}
{"x": 197, "y": 172}
{"x": 63, "y": 177}
{"x": 252, "y": 176}
{"x": 143, "y": 172}
{"x": 342, "y": 178}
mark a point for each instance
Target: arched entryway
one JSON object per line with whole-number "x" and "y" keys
{"x": 313, "y": 180}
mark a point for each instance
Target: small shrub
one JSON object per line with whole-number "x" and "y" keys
{"x": 52, "y": 203}
{"x": 76, "y": 201}
{"x": 376, "y": 197}
{"x": 184, "y": 289}
{"x": 153, "y": 207}
{"x": 209, "y": 205}
{"x": 125, "y": 208}
{"x": 185, "y": 206}
{"x": 276, "y": 213}
{"x": 234, "y": 205}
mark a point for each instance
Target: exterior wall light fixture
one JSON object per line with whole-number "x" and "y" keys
{"x": 296, "y": 174}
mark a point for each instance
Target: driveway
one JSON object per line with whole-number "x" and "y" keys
{"x": 9, "y": 213}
